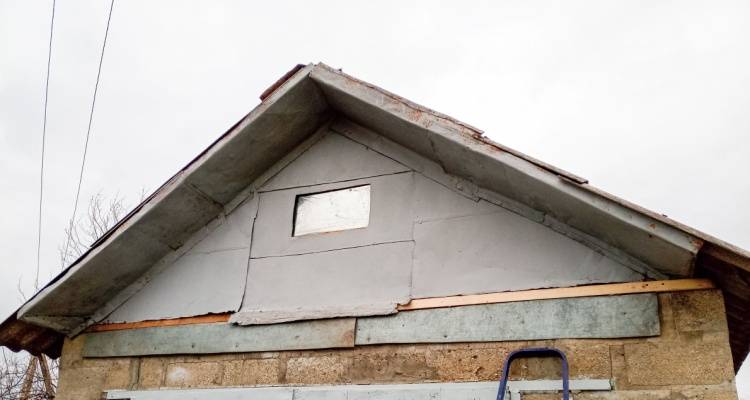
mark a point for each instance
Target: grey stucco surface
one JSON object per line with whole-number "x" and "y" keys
{"x": 208, "y": 278}
{"x": 466, "y": 247}
{"x": 333, "y": 159}
{"x": 368, "y": 280}
{"x": 430, "y": 234}
{"x": 390, "y": 218}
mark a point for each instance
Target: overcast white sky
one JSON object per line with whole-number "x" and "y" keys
{"x": 648, "y": 100}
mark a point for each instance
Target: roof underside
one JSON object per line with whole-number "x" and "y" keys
{"x": 215, "y": 181}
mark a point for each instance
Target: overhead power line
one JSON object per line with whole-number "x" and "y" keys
{"x": 44, "y": 140}
{"x": 88, "y": 130}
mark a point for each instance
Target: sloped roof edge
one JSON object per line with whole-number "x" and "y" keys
{"x": 291, "y": 110}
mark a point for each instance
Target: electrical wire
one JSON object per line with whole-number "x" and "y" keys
{"x": 88, "y": 131}
{"x": 44, "y": 140}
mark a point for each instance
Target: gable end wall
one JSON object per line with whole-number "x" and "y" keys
{"x": 689, "y": 360}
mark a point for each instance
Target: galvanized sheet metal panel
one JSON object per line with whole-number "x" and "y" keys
{"x": 332, "y": 211}
{"x": 586, "y": 317}
{"x": 221, "y": 338}
{"x": 419, "y": 391}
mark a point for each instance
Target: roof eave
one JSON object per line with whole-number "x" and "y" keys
{"x": 293, "y": 108}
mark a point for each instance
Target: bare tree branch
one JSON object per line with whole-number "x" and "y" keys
{"x": 101, "y": 214}
{"x": 23, "y": 376}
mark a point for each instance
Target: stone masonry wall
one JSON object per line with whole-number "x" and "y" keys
{"x": 690, "y": 360}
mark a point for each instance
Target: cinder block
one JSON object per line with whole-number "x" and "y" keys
{"x": 701, "y": 310}
{"x": 251, "y": 372}
{"x": 194, "y": 374}
{"x": 151, "y": 373}
{"x": 587, "y": 360}
{"x": 118, "y": 374}
{"x": 325, "y": 369}
{"x": 400, "y": 365}
{"x": 678, "y": 363}
{"x": 82, "y": 383}
{"x": 666, "y": 318}
{"x": 72, "y": 351}
{"x": 467, "y": 364}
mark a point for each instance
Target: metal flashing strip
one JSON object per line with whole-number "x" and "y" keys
{"x": 418, "y": 391}
{"x": 581, "y": 318}
{"x": 221, "y": 338}
{"x": 590, "y": 318}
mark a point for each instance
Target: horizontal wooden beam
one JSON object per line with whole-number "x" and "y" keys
{"x": 201, "y": 319}
{"x": 676, "y": 285}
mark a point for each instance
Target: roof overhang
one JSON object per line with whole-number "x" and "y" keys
{"x": 291, "y": 110}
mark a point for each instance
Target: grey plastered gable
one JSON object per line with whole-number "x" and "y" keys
{"x": 425, "y": 239}
{"x": 221, "y": 178}
{"x": 207, "y": 277}
{"x": 333, "y": 158}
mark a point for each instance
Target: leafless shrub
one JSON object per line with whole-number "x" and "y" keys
{"x": 101, "y": 214}
{"x": 21, "y": 379}
{"x": 26, "y": 377}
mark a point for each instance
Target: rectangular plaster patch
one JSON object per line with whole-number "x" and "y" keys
{"x": 368, "y": 280}
{"x": 390, "y": 218}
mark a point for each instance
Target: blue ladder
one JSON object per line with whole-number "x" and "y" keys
{"x": 535, "y": 352}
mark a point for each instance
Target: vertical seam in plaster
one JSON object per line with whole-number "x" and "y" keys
{"x": 148, "y": 276}
{"x": 249, "y": 254}
{"x": 135, "y": 373}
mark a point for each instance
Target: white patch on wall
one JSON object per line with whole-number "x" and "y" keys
{"x": 332, "y": 211}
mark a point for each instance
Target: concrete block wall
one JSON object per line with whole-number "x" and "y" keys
{"x": 690, "y": 360}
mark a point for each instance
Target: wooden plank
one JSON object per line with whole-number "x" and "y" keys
{"x": 221, "y": 338}
{"x": 634, "y": 315}
{"x": 201, "y": 319}
{"x": 676, "y": 285}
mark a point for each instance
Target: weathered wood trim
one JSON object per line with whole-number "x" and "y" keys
{"x": 676, "y": 285}
{"x": 635, "y": 315}
{"x": 201, "y": 319}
